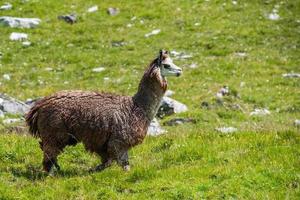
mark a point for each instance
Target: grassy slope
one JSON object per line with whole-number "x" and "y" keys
{"x": 260, "y": 160}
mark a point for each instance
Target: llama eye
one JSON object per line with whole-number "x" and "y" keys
{"x": 167, "y": 66}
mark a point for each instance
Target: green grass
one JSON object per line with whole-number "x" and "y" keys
{"x": 191, "y": 161}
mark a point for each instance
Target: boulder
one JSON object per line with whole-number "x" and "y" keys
{"x": 15, "y": 22}
{"x": 154, "y": 128}
{"x": 170, "y": 106}
{"x": 12, "y": 106}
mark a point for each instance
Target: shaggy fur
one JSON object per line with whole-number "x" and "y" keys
{"x": 106, "y": 124}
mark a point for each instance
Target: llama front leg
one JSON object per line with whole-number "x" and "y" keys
{"x": 123, "y": 161}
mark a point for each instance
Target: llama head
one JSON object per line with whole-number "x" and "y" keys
{"x": 166, "y": 65}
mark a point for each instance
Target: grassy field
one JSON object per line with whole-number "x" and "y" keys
{"x": 233, "y": 44}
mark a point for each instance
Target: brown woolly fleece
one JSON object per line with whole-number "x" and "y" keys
{"x": 106, "y": 124}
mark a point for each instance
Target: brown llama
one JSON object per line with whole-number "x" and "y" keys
{"x": 106, "y": 124}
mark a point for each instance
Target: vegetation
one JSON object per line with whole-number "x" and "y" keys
{"x": 233, "y": 44}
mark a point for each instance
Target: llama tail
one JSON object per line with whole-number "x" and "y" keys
{"x": 31, "y": 120}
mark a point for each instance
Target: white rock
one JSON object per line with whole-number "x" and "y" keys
{"x": 92, "y": 9}
{"x": 170, "y": 106}
{"x": 26, "y": 43}
{"x": 133, "y": 18}
{"x": 48, "y": 69}
{"x": 6, "y": 6}
{"x": 260, "y": 112}
{"x": 169, "y": 93}
{"x": 193, "y": 66}
{"x": 297, "y": 122}
{"x": 154, "y": 32}
{"x": 18, "y": 36}
{"x": 1, "y": 114}
{"x": 273, "y": 16}
{"x": 98, "y": 69}
{"x": 197, "y": 24}
{"x": 113, "y": 11}
{"x": 13, "y": 106}
{"x": 106, "y": 78}
{"x": 10, "y": 121}
{"x": 226, "y": 129}
{"x": 15, "y": 22}
{"x": 241, "y": 54}
{"x": 234, "y": 2}
{"x": 154, "y": 128}
{"x": 6, "y": 76}
{"x": 129, "y": 25}
{"x": 291, "y": 75}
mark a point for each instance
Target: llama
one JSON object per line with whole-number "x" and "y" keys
{"x": 107, "y": 124}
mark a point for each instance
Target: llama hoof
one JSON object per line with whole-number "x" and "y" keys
{"x": 126, "y": 168}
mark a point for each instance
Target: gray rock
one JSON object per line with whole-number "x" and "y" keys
{"x": 179, "y": 121}
{"x": 11, "y": 105}
{"x": 15, "y": 22}
{"x": 226, "y": 129}
{"x": 170, "y": 106}
{"x": 18, "y": 36}
{"x": 154, "y": 128}
{"x": 6, "y": 6}
{"x": 291, "y": 75}
{"x": 113, "y": 11}
{"x": 71, "y": 19}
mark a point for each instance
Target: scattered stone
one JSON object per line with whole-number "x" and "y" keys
{"x": 297, "y": 122}
{"x": 170, "y": 106}
{"x": 71, "y": 19}
{"x": 119, "y": 43}
{"x": 113, "y": 11}
{"x": 226, "y": 129}
{"x": 193, "y": 66}
{"x": 234, "y": 2}
{"x": 240, "y": 54}
{"x": 11, "y": 121}
{"x": 106, "y": 78}
{"x": 154, "y": 128}
{"x": 242, "y": 84}
{"x": 15, "y": 22}
{"x": 6, "y": 6}
{"x": 197, "y": 24}
{"x": 154, "y": 32}
{"x": 98, "y": 69}
{"x": 12, "y": 106}
{"x": 179, "y": 121}
{"x": 26, "y": 43}
{"x": 92, "y": 9}
{"x": 274, "y": 14}
{"x": 49, "y": 69}
{"x": 180, "y": 55}
{"x": 291, "y": 75}
{"x": 224, "y": 91}
{"x": 129, "y": 25}
{"x": 6, "y": 77}
{"x": 133, "y": 18}
{"x": 260, "y": 112}
{"x": 169, "y": 93}
{"x": 18, "y": 36}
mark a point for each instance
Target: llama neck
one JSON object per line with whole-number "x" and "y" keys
{"x": 149, "y": 95}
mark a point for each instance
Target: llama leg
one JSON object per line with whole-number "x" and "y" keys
{"x": 123, "y": 161}
{"x": 50, "y": 156}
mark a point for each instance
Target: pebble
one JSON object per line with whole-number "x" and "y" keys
{"x": 26, "y": 43}
{"x": 98, "y": 69}
{"x": 260, "y": 112}
{"x": 6, "y": 6}
{"x": 71, "y": 18}
{"x": 291, "y": 75}
{"x": 6, "y": 77}
{"x": 297, "y": 122}
{"x": 113, "y": 11}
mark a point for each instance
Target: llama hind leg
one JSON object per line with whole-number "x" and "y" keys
{"x": 50, "y": 157}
